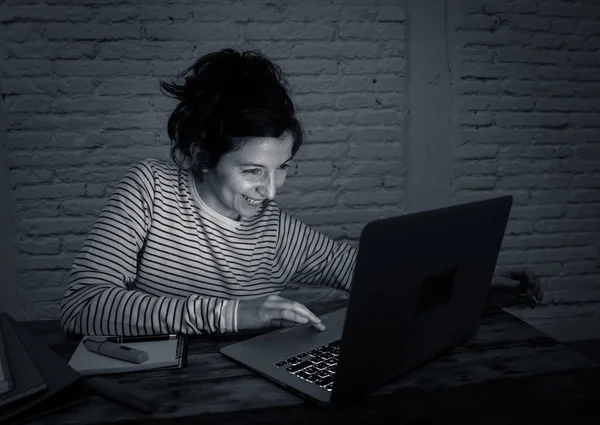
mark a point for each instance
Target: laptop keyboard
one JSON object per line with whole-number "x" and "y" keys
{"x": 316, "y": 366}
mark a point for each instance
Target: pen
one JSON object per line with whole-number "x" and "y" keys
{"x": 111, "y": 349}
{"x": 146, "y": 338}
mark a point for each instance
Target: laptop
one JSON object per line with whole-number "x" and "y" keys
{"x": 418, "y": 290}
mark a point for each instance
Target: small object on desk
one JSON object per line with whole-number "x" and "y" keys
{"x": 162, "y": 353}
{"x": 130, "y": 339}
{"x": 117, "y": 351}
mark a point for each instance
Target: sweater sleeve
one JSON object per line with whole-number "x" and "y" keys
{"x": 317, "y": 259}
{"x": 100, "y": 299}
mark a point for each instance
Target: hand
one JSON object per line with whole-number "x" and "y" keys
{"x": 514, "y": 286}
{"x": 274, "y": 311}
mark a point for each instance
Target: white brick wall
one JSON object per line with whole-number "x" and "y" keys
{"x": 80, "y": 88}
{"x": 529, "y": 116}
{"x": 80, "y": 81}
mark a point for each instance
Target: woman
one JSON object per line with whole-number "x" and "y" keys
{"x": 201, "y": 246}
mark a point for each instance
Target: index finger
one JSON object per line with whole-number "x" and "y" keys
{"x": 297, "y": 307}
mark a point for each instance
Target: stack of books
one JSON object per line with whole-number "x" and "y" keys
{"x": 34, "y": 381}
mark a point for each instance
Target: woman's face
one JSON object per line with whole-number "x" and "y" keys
{"x": 244, "y": 179}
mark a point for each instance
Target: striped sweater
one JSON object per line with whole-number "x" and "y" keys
{"x": 158, "y": 260}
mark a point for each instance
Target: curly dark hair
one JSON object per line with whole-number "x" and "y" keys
{"x": 227, "y": 97}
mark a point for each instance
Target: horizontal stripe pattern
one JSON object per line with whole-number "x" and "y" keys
{"x": 156, "y": 261}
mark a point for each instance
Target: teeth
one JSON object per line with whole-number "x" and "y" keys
{"x": 251, "y": 201}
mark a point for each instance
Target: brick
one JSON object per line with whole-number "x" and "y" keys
{"x": 567, "y": 136}
{"x": 308, "y": 66}
{"x": 394, "y": 182}
{"x": 289, "y": 31}
{"x": 533, "y": 182}
{"x": 37, "y": 208}
{"x": 536, "y": 241}
{"x": 477, "y": 87}
{"x": 564, "y": 26}
{"x": 497, "y": 38}
{"x": 46, "y": 50}
{"x": 101, "y": 105}
{"x": 322, "y": 151}
{"x": 317, "y": 199}
{"x": 499, "y": 71}
{"x": 538, "y": 211}
{"x": 58, "y": 262}
{"x": 81, "y": 207}
{"x": 374, "y": 66}
{"x": 572, "y": 282}
{"x": 475, "y": 119}
{"x": 72, "y": 243}
{"x": 354, "y": 184}
{"x": 145, "y": 50}
{"x": 475, "y": 168}
{"x": 522, "y": 166}
{"x": 370, "y": 31}
{"x": 26, "y": 140}
{"x": 589, "y": 28}
{"x": 378, "y": 117}
{"x": 567, "y": 225}
{"x": 44, "y": 13}
{"x": 210, "y": 31}
{"x": 315, "y": 168}
{"x": 380, "y": 197}
{"x": 567, "y": 105}
{"x": 354, "y": 215}
{"x": 376, "y": 151}
{"x": 528, "y": 23}
{"x": 25, "y": 68}
{"x": 585, "y": 59}
{"x": 566, "y": 9}
{"x": 347, "y": 83}
{"x": 362, "y": 167}
{"x": 579, "y": 267}
{"x": 584, "y": 211}
{"x": 55, "y": 226}
{"x": 365, "y": 134}
{"x": 19, "y": 32}
{"x": 584, "y": 120}
{"x": 562, "y": 254}
{"x": 477, "y": 55}
{"x": 91, "y": 31}
{"x": 477, "y": 152}
{"x": 305, "y": 184}
{"x": 515, "y": 227}
{"x": 520, "y": 196}
{"x": 49, "y": 191}
{"x": 129, "y": 86}
{"x": 341, "y": 50}
{"x": 531, "y": 119}
{"x": 466, "y": 182}
{"x": 92, "y": 68}
{"x": 583, "y": 196}
{"x": 32, "y": 176}
{"x": 585, "y": 181}
{"x": 39, "y": 246}
{"x": 391, "y": 14}
{"x": 326, "y": 134}
{"x": 491, "y": 103}
{"x": 318, "y": 118}
{"x": 477, "y": 22}
{"x": 516, "y": 257}
{"x": 533, "y": 153}
{"x": 542, "y": 57}
{"x": 39, "y": 279}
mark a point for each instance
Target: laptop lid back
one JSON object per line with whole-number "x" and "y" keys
{"x": 419, "y": 289}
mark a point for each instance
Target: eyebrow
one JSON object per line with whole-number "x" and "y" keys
{"x": 249, "y": 164}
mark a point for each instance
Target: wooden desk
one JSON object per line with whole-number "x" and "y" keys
{"x": 509, "y": 372}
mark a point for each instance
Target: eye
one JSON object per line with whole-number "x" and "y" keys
{"x": 252, "y": 171}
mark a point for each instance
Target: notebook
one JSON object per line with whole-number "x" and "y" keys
{"x": 163, "y": 354}
{"x": 26, "y": 378}
{"x": 418, "y": 290}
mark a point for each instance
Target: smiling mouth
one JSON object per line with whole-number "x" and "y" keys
{"x": 252, "y": 201}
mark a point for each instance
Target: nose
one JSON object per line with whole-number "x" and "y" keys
{"x": 268, "y": 187}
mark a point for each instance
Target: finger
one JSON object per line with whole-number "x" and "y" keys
{"x": 523, "y": 299}
{"x": 282, "y": 323}
{"x": 284, "y": 304}
{"x": 505, "y": 283}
